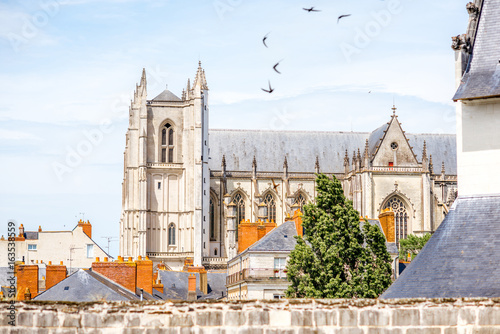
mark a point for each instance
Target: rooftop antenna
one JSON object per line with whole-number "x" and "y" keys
{"x": 110, "y": 239}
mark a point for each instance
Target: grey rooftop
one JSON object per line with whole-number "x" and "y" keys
{"x": 461, "y": 258}
{"x": 302, "y": 147}
{"x": 482, "y": 76}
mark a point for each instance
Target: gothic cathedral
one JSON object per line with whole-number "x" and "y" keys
{"x": 186, "y": 187}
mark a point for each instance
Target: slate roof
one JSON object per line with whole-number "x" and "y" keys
{"x": 279, "y": 239}
{"x": 30, "y": 235}
{"x": 86, "y": 286}
{"x": 4, "y": 276}
{"x": 301, "y": 149}
{"x": 460, "y": 259}
{"x": 166, "y": 95}
{"x": 482, "y": 78}
{"x": 175, "y": 285}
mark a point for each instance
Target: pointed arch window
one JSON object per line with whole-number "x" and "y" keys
{"x": 301, "y": 201}
{"x": 212, "y": 220}
{"x": 240, "y": 209}
{"x": 271, "y": 207}
{"x": 167, "y": 143}
{"x": 400, "y": 217}
{"x": 171, "y": 234}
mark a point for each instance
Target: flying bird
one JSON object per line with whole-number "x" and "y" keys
{"x": 270, "y": 90}
{"x": 311, "y": 9}
{"x": 276, "y": 65}
{"x": 275, "y": 185}
{"x": 342, "y": 16}
{"x": 264, "y": 39}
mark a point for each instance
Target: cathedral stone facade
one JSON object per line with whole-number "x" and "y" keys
{"x": 186, "y": 187}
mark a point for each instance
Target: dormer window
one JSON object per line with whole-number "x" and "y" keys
{"x": 167, "y": 143}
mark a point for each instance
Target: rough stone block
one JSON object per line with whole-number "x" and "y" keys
{"x": 424, "y": 330}
{"x": 134, "y": 330}
{"x": 308, "y": 330}
{"x": 280, "y": 318}
{"x": 234, "y": 318}
{"x": 439, "y": 316}
{"x": 384, "y": 331}
{"x": 209, "y": 318}
{"x": 250, "y": 330}
{"x": 91, "y": 320}
{"x": 405, "y": 317}
{"x": 347, "y": 331}
{"x": 181, "y": 320}
{"x": 348, "y": 318}
{"x": 466, "y": 316}
{"x": 113, "y": 320}
{"x": 65, "y": 331}
{"x": 155, "y": 320}
{"x": 133, "y": 320}
{"x": 489, "y": 316}
{"x": 325, "y": 318}
{"x": 94, "y": 331}
{"x": 258, "y": 317}
{"x": 278, "y": 331}
{"x": 25, "y": 319}
{"x": 374, "y": 317}
{"x": 455, "y": 331}
{"x": 302, "y": 318}
{"x": 71, "y": 320}
{"x": 486, "y": 330}
{"x": 46, "y": 319}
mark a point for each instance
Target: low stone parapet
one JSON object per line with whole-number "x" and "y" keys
{"x": 445, "y": 316}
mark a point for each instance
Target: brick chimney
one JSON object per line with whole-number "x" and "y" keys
{"x": 27, "y": 278}
{"x": 86, "y": 227}
{"x": 158, "y": 285}
{"x": 20, "y": 237}
{"x": 123, "y": 273}
{"x": 386, "y": 219}
{"x": 54, "y": 274}
{"x": 144, "y": 274}
{"x": 297, "y": 218}
{"x": 191, "y": 287}
{"x": 249, "y": 233}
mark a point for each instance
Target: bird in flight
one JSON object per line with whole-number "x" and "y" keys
{"x": 264, "y": 39}
{"x": 275, "y": 185}
{"x": 276, "y": 65}
{"x": 311, "y": 9}
{"x": 342, "y": 16}
{"x": 270, "y": 90}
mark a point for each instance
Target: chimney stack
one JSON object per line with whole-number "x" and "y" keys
{"x": 386, "y": 219}
{"x": 27, "y": 278}
{"x": 144, "y": 274}
{"x": 191, "y": 287}
{"x": 86, "y": 227}
{"x": 123, "y": 273}
{"x": 54, "y": 274}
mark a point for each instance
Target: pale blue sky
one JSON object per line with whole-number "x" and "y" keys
{"x": 68, "y": 66}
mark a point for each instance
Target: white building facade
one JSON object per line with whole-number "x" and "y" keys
{"x": 74, "y": 248}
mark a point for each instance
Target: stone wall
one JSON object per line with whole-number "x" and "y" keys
{"x": 260, "y": 317}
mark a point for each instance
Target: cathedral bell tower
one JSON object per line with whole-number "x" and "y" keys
{"x": 166, "y": 184}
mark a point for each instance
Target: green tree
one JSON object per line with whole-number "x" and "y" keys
{"x": 337, "y": 258}
{"x": 412, "y": 245}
